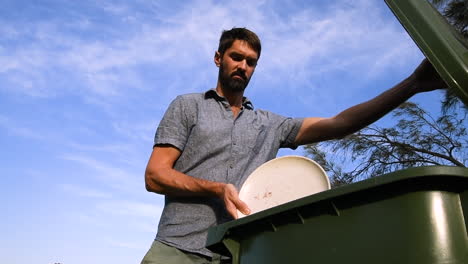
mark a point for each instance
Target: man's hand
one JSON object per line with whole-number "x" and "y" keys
{"x": 232, "y": 201}
{"x": 426, "y": 78}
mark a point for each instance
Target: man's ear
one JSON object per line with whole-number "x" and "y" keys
{"x": 217, "y": 58}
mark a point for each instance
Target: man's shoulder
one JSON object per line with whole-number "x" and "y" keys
{"x": 275, "y": 118}
{"x": 265, "y": 113}
{"x": 191, "y": 96}
{"x": 188, "y": 100}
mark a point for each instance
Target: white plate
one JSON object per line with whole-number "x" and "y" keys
{"x": 282, "y": 180}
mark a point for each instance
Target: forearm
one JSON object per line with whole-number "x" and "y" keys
{"x": 315, "y": 129}
{"x": 162, "y": 178}
{"x": 425, "y": 78}
{"x": 169, "y": 181}
{"x": 364, "y": 114}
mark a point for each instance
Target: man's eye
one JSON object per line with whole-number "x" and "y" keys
{"x": 252, "y": 62}
{"x": 236, "y": 57}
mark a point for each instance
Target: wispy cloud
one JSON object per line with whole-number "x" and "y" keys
{"x": 83, "y": 191}
{"x": 19, "y": 130}
{"x": 310, "y": 42}
{"x": 127, "y": 245}
{"x": 136, "y": 130}
{"x": 352, "y": 37}
{"x": 109, "y": 173}
{"x": 130, "y": 208}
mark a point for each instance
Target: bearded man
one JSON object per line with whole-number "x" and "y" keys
{"x": 207, "y": 144}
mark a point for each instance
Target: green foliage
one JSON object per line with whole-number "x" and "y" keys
{"x": 417, "y": 139}
{"x": 456, "y": 12}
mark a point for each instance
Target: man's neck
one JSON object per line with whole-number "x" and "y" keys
{"x": 235, "y": 99}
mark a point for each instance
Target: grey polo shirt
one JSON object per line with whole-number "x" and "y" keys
{"x": 214, "y": 147}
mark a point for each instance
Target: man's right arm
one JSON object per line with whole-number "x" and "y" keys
{"x": 162, "y": 178}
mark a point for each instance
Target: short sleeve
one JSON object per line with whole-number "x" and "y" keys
{"x": 281, "y": 129}
{"x": 175, "y": 125}
{"x": 289, "y": 128}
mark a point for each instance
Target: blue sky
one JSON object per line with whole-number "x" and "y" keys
{"x": 83, "y": 85}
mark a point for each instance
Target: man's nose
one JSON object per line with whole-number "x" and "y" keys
{"x": 242, "y": 65}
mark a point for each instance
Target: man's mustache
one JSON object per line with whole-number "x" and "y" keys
{"x": 240, "y": 74}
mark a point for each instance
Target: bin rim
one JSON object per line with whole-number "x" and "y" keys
{"x": 448, "y": 175}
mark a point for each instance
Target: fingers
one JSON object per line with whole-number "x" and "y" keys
{"x": 232, "y": 210}
{"x": 427, "y": 78}
{"x": 242, "y": 207}
{"x": 425, "y": 70}
{"x": 233, "y": 203}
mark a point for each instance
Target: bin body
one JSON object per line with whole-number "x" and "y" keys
{"x": 410, "y": 216}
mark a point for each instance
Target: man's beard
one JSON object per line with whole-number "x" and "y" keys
{"x": 232, "y": 84}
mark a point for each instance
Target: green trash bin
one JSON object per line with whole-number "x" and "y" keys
{"x": 417, "y": 215}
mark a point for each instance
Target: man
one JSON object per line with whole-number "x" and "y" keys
{"x": 207, "y": 144}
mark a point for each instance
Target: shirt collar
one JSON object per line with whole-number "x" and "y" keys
{"x": 212, "y": 93}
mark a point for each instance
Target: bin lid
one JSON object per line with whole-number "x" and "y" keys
{"x": 443, "y": 46}
{"x": 282, "y": 180}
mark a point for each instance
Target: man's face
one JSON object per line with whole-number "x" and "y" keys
{"x": 236, "y": 66}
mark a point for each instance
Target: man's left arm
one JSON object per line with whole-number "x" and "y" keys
{"x": 316, "y": 129}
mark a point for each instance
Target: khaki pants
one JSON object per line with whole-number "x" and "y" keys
{"x": 160, "y": 253}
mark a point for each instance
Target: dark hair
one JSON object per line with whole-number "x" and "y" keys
{"x": 228, "y": 37}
